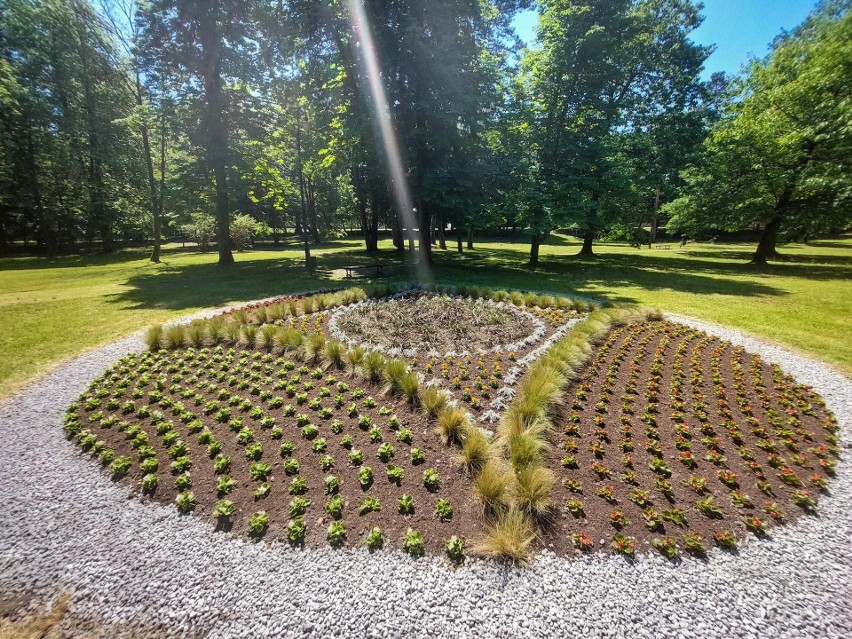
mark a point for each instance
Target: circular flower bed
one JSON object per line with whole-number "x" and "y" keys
{"x": 437, "y": 324}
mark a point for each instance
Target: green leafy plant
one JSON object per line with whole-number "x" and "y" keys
{"x": 406, "y": 504}
{"x": 298, "y": 506}
{"x": 395, "y": 474}
{"x": 258, "y": 522}
{"x": 365, "y": 477}
{"x": 120, "y": 467}
{"x": 368, "y": 505}
{"x": 443, "y": 509}
{"x": 412, "y": 543}
{"x": 331, "y": 484}
{"x": 298, "y": 486}
{"x": 375, "y": 539}
{"x": 221, "y": 464}
{"x": 334, "y": 506}
{"x": 296, "y": 529}
{"x": 707, "y": 507}
{"x": 431, "y": 479}
{"x": 260, "y": 471}
{"x": 336, "y": 533}
{"x": 224, "y": 508}
{"x": 186, "y": 501}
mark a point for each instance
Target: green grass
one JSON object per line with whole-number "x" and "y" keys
{"x": 53, "y": 309}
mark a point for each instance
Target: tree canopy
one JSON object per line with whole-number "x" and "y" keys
{"x": 125, "y": 122}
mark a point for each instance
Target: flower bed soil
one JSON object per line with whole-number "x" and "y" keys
{"x": 440, "y": 323}
{"x": 109, "y": 427}
{"x": 712, "y": 394}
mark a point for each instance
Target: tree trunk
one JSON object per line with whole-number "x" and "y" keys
{"x": 152, "y": 182}
{"x": 425, "y": 223}
{"x": 535, "y": 243}
{"x": 766, "y": 246}
{"x": 442, "y": 241}
{"x": 459, "y": 238}
{"x": 372, "y": 237}
{"x": 214, "y": 126}
{"x": 361, "y": 198}
{"x": 588, "y": 238}
{"x": 396, "y": 232}
{"x": 470, "y": 239}
{"x": 655, "y": 219}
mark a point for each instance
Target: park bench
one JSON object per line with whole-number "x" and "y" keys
{"x": 365, "y": 269}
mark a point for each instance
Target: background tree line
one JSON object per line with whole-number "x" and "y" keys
{"x": 228, "y": 119}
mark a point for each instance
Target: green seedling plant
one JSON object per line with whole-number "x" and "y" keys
{"x": 406, "y": 504}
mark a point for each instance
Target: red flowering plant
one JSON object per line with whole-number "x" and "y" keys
{"x": 687, "y": 459}
{"x": 623, "y": 545}
{"x": 728, "y": 477}
{"x": 572, "y": 485}
{"x": 755, "y": 524}
{"x": 772, "y": 509}
{"x": 667, "y": 546}
{"x": 582, "y": 541}
{"x": 724, "y": 539}
{"x": 618, "y": 519}
{"x": 693, "y": 541}
{"x": 608, "y": 493}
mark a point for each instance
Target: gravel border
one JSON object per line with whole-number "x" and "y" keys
{"x": 146, "y": 565}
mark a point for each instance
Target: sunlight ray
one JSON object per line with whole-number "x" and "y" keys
{"x": 381, "y": 116}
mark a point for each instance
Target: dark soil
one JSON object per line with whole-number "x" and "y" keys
{"x": 743, "y": 396}
{"x": 261, "y": 376}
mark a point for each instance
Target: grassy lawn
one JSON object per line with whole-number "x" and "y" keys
{"x": 53, "y": 309}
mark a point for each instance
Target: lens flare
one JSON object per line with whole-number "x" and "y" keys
{"x": 369, "y": 61}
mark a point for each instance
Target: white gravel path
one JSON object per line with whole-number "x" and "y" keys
{"x": 66, "y": 527}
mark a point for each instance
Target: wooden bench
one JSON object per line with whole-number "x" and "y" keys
{"x": 365, "y": 269}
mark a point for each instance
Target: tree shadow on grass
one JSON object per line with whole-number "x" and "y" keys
{"x": 210, "y": 285}
{"x": 570, "y": 274}
{"x": 842, "y": 264}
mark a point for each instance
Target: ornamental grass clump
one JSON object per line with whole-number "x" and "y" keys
{"x": 289, "y": 340}
{"x": 433, "y": 400}
{"x": 491, "y": 485}
{"x": 509, "y": 535}
{"x": 476, "y": 450}
{"x": 372, "y": 366}
{"x": 531, "y": 489}
{"x": 333, "y": 354}
{"x": 154, "y": 337}
{"x": 452, "y": 424}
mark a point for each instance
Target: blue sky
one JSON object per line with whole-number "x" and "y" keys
{"x": 740, "y": 29}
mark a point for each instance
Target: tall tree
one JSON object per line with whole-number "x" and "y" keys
{"x": 199, "y": 46}
{"x": 604, "y": 67}
{"x": 781, "y": 157}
